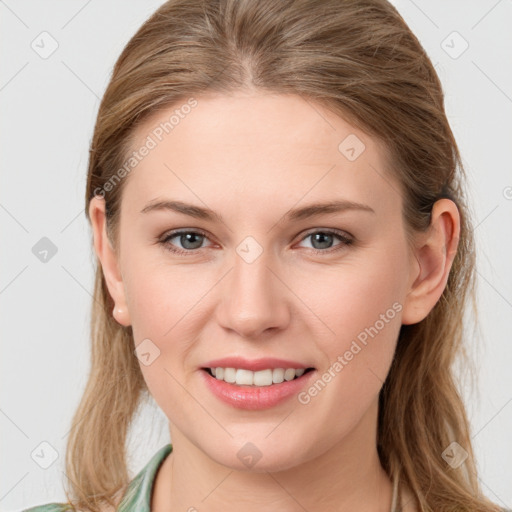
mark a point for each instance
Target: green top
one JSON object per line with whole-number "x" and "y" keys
{"x": 137, "y": 496}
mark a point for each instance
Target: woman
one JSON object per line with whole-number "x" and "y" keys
{"x": 284, "y": 257}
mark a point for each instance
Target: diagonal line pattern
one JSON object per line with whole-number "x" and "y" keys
{"x": 282, "y": 421}
{"x": 14, "y": 218}
{"x": 305, "y": 194}
{"x": 81, "y": 285}
{"x": 488, "y": 215}
{"x": 72, "y": 220}
{"x": 498, "y": 497}
{"x": 3, "y": 497}
{"x": 286, "y": 491}
{"x": 216, "y": 487}
{"x": 386, "y": 179}
{"x": 376, "y": 376}
{"x": 14, "y": 423}
{"x": 301, "y": 300}
{"x": 19, "y": 19}
{"x": 312, "y": 106}
{"x": 14, "y": 76}
{"x": 13, "y": 279}
{"x": 503, "y": 297}
{"x": 76, "y": 14}
{"x": 198, "y": 301}
{"x": 485, "y": 15}
{"x": 80, "y": 79}
{"x": 492, "y": 81}
{"x": 425, "y": 14}
{"x": 474, "y": 435}
{"x": 193, "y": 192}
{"x": 199, "y": 403}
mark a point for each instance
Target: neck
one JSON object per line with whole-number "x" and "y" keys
{"x": 347, "y": 477}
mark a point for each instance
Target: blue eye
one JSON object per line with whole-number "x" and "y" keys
{"x": 325, "y": 237}
{"x": 185, "y": 238}
{"x": 193, "y": 240}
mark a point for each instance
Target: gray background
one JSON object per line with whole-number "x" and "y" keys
{"x": 48, "y": 111}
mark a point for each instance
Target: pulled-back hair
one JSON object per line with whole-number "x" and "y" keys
{"x": 359, "y": 59}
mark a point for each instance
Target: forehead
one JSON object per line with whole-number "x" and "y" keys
{"x": 257, "y": 147}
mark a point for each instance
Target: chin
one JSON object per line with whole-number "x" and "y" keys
{"x": 258, "y": 457}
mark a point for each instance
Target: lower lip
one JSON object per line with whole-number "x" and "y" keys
{"x": 255, "y": 397}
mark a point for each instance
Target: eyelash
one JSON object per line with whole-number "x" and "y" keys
{"x": 346, "y": 241}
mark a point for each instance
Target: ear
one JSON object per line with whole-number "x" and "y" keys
{"x": 434, "y": 254}
{"x": 108, "y": 259}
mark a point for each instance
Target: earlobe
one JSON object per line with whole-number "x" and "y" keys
{"x": 108, "y": 260}
{"x": 433, "y": 256}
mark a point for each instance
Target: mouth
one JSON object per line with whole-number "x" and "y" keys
{"x": 260, "y": 378}
{"x": 263, "y": 387}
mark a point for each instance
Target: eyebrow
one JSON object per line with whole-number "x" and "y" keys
{"x": 302, "y": 213}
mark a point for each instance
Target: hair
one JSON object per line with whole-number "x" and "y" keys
{"x": 360, "y": 60}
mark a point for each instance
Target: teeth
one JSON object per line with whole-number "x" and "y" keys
{"x": 277, "y": 375}
{"x": 229, "y": 375}
{"x": 244, "y": 377}
{"x": 267, "y": 377}
{"x": 289, "y": 374}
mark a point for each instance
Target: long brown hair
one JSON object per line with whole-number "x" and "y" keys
{"x": 359, "y": 59}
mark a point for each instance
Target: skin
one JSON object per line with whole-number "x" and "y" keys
{"x": 251, "y": 157}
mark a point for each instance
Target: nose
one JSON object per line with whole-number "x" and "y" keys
{"x": 254, "y": 299}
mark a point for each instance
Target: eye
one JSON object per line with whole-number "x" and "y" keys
{"x": 322, "y": 240}
{"x": 190, "y": 240}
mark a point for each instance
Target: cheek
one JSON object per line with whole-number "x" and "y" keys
{"x": 163, "y": 299}
{"x": 361, "y": 304}
{"x": 353, "y": 296}
{"x": 161, "y": 309}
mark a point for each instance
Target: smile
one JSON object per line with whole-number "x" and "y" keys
{"x": 257, "y": 384}
{"x": 266, "y": 377}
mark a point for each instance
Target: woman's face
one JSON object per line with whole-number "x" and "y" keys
{"x": 263, "y": 280}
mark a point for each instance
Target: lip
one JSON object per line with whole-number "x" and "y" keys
{"x": 254, "y": 364}
{"x": 256, "y": 397}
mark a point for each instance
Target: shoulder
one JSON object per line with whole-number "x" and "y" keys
{"x": 61, "y": 507}
{"x": 50, "y": 507}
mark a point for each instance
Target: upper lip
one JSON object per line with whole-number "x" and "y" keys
{"x": 254, "y": 364}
